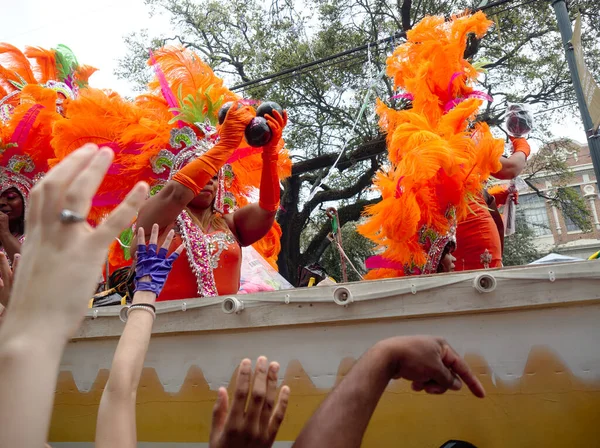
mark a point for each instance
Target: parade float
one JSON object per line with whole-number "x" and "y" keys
{"x": 530, "y": 333}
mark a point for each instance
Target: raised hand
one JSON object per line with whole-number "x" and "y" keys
{"x": 257, "y": 425}
{"x": 152, "y": 268}
{"x": 57, "y": 273}
{"x": 430, "y": 363}
{"x": 276, "y": 123}
{"x": 63, "y": 254}
{"x": 231, "y": 132}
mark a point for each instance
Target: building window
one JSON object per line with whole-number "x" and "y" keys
{"x": 536, "y": 215}
{"x": 569, "y": 224}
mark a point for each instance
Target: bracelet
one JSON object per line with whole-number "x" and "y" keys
{"x": 148, "y": 307}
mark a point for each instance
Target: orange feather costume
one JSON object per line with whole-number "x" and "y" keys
{"x": 35, "y": 88}
{"x": 158, "y": 133}
{"x": 439, "y": 158}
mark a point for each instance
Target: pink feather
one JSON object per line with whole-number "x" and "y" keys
{"x": 168, "y": 94}
{"x": 379, "y": 262}
{"x": 22, "y": 130}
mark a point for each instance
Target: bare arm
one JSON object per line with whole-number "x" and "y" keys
{"x": 33, "y": 335}
{"x": 164, "y": 207}
{"x": 430, "y": 363}
{"x": 511, "y": 166}
{"x": 116, "y": 426}
{"x": 343, "y": 417}
{"x": 250, "y": 223}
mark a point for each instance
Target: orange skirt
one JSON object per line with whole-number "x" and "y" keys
{"x": 478, "y": 244}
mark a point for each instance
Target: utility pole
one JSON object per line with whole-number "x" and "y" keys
{"x": 564, "y": 25}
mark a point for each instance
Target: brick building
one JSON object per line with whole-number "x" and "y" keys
{"x": 555, "y": 232}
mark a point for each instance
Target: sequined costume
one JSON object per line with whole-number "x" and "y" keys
{"x": 154, "y": 137}
{"x": 439, "y": 157}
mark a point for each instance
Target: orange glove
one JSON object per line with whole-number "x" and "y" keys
{"x": 502, "y": 192}
{"x": 196, "y": 174}
{"x": 269, "y": 181}
{"x": 520, "y": 145}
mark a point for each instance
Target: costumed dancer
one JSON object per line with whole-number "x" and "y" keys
{"x": 439, "y": 157}
{"x": 35, "y": 87}
{"x": 201, "y": 175}
{"x": 480, "y": 236}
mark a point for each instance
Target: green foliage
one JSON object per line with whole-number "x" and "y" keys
{"x": 575, "y": 207}
{"x": 520, "y": 247}
{"x": 550, "y": 164}
{"x": 356, "y": 247}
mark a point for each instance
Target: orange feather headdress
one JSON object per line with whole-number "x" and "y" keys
{"x": 438, "y": 158}
{"x": 34, "y": 88}
{"x": 159, "y": 132}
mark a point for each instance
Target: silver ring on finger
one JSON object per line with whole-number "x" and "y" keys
{"x": 70, "y": 217}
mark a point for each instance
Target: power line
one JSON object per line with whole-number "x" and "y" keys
{"x": 397, "y": 35}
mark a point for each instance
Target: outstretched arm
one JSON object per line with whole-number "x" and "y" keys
{"x": 513, "y": 165}
{"x": 430, "y": 363}
{"x": 60, "y": 260}
{"x": 164, "y": 207}
{"x": 116, "y": 427}
{"x": 252, "y": 222}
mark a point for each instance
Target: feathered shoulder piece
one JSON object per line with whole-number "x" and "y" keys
{"x": 56, "y": 69}
{"x": 439, "y": 158}
{"x": 35, "y": 87}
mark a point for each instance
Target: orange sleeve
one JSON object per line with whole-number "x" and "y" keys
{"x": 521, "y": 145}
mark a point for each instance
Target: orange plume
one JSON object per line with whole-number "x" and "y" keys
{"x": 437, "y": 161}
{"x": 45, "y": 63}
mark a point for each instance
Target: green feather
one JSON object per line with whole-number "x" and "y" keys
{"x": 66, "y": 62}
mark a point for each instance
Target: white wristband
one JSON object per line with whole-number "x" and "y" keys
{"x": 124, "y": 313}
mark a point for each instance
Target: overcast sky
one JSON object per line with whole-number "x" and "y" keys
{"x": 94, "y": 30}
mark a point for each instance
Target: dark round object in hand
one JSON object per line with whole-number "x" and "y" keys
{"x": 223, "y": 111}
{"x": 267, "y": 108}
{"x": 258, "y": 133}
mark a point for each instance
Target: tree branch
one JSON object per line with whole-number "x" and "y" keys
{"x": 362, "y": 152}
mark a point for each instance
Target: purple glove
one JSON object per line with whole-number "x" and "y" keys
{"x": 156, "y": 266}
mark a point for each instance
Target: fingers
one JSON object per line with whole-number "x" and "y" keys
{"x": 220, "y": 410}
{"x": 79, "y": 194}
{"x": 458, "y": 365}
{"x": 242, "y": 388}
{"x": 164, "y": 250}
{"x": 271, "y": 392}
{"x": 279, "y": 413}
{"x": 154, "y": 235}
{"x": 259, "y": 392}
{"x": 175, "y": 255}
{"x": 52, "y": 186}
{"x": 5, "y": 271}
{"x": 122, "y": 216}
{"x": 141, "y": 241}
{"x": 15, "y": 264}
